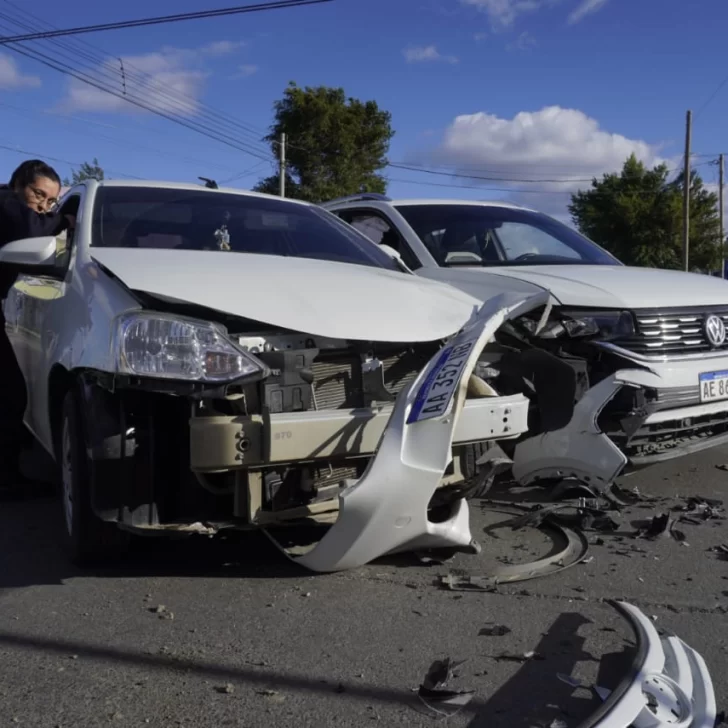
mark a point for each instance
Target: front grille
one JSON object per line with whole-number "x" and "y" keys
{"x": 672, "y": 332}
{"x": 337, "y": 376}
{"x": 676, "y": 397}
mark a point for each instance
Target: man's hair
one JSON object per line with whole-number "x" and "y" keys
{"x": 29, "y": 171}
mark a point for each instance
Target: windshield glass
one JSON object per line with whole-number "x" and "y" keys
{"x": 491, "y": 235}
{"x": 152, "y": 217}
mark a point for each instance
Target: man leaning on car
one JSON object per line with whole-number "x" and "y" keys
{"x": 26, "y": 204}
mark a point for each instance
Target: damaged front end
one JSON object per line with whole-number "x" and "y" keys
{"x": 598, "y": 410}
{"x": 349, "y": 438}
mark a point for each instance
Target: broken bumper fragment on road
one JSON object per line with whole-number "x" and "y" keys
{"x": 386, "y": 510}
{"x": 668, "y": 685}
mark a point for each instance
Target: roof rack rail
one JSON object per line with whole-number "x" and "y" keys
{"x": 357, "y": 197}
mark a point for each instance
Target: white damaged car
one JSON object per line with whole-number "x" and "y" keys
{"x": 202, "y": 359}
{"x": 625, "y": 367}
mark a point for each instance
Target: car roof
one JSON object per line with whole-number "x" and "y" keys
{"x": 196, "y": 188}
{"x": 474, "y": 203}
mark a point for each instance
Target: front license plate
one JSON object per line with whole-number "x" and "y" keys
{"x": 713, "y": 386}
{"x": 436, "y": 392}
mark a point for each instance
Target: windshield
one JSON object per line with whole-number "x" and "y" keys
{"x": 490, "y": 235}
{"x": 153, "y": 217}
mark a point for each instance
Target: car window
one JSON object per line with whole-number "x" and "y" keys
{"x": 491, "y": 235}
{"x": 157, "y": 217}
{"x": 380, "y": 231}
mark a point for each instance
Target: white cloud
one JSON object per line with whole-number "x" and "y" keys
{"x": 222, "y": 47}
{"x": 503, "y": 13}
{"x": 586, "y": 7}
{"x": 524, "y": 42}
{"x": 246, "y": 70}
{"x": 12, "y": 78}
{"x": 155, "y": 79}
{"x": 557, "y": 147}
{"x": 421, "y": 54}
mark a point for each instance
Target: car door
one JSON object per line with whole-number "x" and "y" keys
{"x": 380, "y": 230}
{"x": 34, "y": 296}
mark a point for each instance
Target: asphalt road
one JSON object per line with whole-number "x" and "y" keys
{"x": 228, "y": 633}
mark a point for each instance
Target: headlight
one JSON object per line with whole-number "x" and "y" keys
{"x": 603, "y": 325}
{"x": 170, "y": 347}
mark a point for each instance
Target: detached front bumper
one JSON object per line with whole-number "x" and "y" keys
{"x": 668, "y": 684}
{"x": 386, "y": 510}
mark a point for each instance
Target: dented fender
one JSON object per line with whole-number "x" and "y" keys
{"x": 386, "y": 510}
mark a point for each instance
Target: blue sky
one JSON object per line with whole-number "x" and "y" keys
{"x": 508, "y": 89}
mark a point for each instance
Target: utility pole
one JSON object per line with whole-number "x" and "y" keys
{"x": 721, "y": 168}
{"x": 686, "y": 193}
{"x": 282, "y": 165}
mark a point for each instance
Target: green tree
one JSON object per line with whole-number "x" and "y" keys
{"x": 637, "y": 216}
{"x": 336, "y": 145}
{"x": 88, "y": 170}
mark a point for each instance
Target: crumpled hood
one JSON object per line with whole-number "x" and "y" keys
{"x": 604, "y": 286}
{"x": 322, "y": 298}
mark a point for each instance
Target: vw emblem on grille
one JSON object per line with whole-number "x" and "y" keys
{"x": 715, "y": 330}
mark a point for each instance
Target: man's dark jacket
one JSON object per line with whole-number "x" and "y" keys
{"x": 18, "y": 221}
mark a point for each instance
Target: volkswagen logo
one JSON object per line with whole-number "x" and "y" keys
{"x": 715, "y": 330}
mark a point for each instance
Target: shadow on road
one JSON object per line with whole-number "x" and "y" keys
{"x": 31, "y": 553}
{"x": 536, "y": 696}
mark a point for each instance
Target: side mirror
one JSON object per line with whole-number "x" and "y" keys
{"x": 35, "y": 256}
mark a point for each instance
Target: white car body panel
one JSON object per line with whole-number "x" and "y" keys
{"x": 333, "y": 300}
{"x": 386, "y": 509}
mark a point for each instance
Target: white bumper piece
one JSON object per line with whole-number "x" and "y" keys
{"x": 580, "y": 450}
{"x": 386, "y": 510}
{"x": 669, "y": 685}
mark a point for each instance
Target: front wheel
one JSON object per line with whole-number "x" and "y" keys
{"x": 89, "y": 539}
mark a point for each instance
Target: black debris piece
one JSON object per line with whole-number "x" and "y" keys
{"x": 433, "y": 558}
{"x": 571, "y": 681}
{"x": 720, "y": 719}
{"x": 661, "y": 526}
{"x": 443, "y": 702}
{"x": 697, "y": 510}
{"x": 721, "y": 550}
{"x": 525, "y": 657}
{"x": 723, "y": 466}
{"x": 494, "y": 630}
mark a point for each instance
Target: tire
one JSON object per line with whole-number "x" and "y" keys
{"x": 89, "y": 540}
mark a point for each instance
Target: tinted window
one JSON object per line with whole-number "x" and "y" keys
{"x": 148, "y": 217}
{"x": 381, "y": 232}
{"x": 491, "y": 235}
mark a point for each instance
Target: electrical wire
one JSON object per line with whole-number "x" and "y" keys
{"x": 194, "y": 126}
{"x": 161, "y": 20}
{"x": 17, "y": 150}
{"x": 128, "y": 72}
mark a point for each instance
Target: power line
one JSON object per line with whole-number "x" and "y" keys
{"x": 160, "y": 20}
{"x": 100, "y": 80}
{"x": 84, "y": 78}
{"x": 112, "y": 140}
{"x": 17, "y": 150}
{"x": 183, "y": 102}
{"x": 707, "y": 103}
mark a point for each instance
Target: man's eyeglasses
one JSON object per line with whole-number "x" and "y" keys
{"x": 41, "y": 196}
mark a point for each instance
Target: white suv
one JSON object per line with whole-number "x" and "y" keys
{"x": 625, "y": 367}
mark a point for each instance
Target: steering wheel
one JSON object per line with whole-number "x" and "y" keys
{"x": 525, "y": 256}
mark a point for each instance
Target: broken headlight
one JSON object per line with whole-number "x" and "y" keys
{"x": 602, "y": 325}
{"x": 171, "y": 347}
